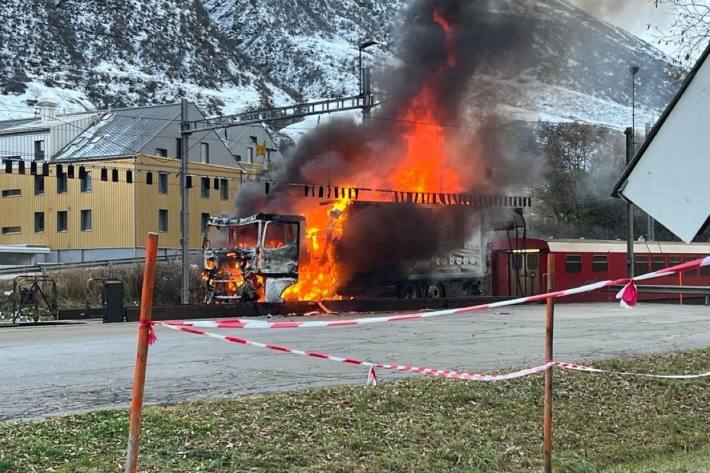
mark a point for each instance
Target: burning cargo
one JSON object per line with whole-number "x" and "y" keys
{"x": 374, "y": 249}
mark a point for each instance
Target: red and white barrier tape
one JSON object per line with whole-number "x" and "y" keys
{"x": 588, "y": 369}
{"x": 441, "y": 373}
{"x": 372, "y": 375}
{"x": 627, "y": 297}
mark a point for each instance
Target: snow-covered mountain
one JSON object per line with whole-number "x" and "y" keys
{"x": 93, "y": 53}
{"x": 230, "y": 55}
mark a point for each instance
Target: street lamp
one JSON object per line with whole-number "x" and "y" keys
{"x": 364, "y": 45}
{"x": 634, "y": 70}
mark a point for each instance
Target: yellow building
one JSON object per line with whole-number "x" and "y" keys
{"x": 90, "y": 186}
{"x": 106, "y": 209}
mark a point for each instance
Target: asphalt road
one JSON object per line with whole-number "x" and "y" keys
{"x": 55, "y": 370}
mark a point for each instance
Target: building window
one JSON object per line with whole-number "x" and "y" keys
{"x": 178, "y": 148}
{"x": 163, "y": 183}
{"x": 62, "y": 183}
{"x": 11, "y": 193}
{"x": 39, "y": 185}
{"x": 658, "y": 262}
{"x": 39, "y": 222}
{"x": 640, "y": 264}
{"x": 39, "y": 150}
{"x": 224, "y": 189}
{"x": 573, "y": 263}
{"x": 162, "y": 152}
{"x": 205, "y": 153}
{"x": 86, "y": 181}
{"x": 600, "y": 263}
{"x": 204, "y": 219}
{"x": 163, "y": 220}
{"x": 11, "y": 230}
{"x": 205, "y": 187}
{"x": 250, "y": 155}
{"x": 237, "y": 158}
{"x": 62, "y": 221}
{"x": 253, "y": 139}
{"x": 85, "y": 220}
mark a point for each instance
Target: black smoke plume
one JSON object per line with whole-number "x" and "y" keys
{"x": 343, "y": 153}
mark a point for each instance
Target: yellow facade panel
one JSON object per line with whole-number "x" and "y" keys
{"x": 121, "y": 213}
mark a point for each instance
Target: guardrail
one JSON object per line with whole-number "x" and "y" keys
{"x": 42, "y": 267}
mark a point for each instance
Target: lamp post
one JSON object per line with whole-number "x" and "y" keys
{"x": 630, "y": 151}
{"x": 634, "y": 70}
{"x": 364, "y": 45}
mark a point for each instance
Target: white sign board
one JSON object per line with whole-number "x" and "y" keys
{"x": 670, "y": 177}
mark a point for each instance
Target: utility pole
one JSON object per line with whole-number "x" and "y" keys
{"x": 367, "y": 95}
{"x": 630, "y": 151}
{"x": 650, "y": 222}
{"x": 629, "y": 208}
{"x": 364, "y": 81}
{"x": 184, "y": 204}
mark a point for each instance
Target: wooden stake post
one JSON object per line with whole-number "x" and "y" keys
{"x": 136, "y": 413}
{"x": 549, "y": 324}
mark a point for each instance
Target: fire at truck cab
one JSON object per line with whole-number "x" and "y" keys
{"x": 251, "y": 259}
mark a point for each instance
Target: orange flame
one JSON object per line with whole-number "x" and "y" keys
{"x": 319, "y": 277}
{"x": 425, "y": 167}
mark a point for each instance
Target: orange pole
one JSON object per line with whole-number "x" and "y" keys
{"x": 136, "y": 413}
{"x": 549, "y": 324}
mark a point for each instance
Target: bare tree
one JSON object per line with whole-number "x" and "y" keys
{"x": 690, "y": 31}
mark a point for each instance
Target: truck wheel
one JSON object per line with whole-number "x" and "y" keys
{"x": 408, "y": 291}
{"x": 434, "y": 290}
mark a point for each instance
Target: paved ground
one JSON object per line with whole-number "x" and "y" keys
{"x": 47, "y": 371}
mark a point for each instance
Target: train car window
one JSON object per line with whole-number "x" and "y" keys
{"x": 658, "y": 262}
{"x": 600, "y": 263}
{"x": 675, "y": 260}
{"x": 705, "y": 271}
{"x": 640, "y": 264}
{"x": 691, "y": 272}
{"x": 573, "y": 263}
{"x": 533, "y": 261}
{"x": 516, "y": 261}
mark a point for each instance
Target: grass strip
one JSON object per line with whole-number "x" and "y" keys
{"x": 601, "y": 423}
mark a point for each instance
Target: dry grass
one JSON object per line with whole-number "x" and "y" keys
{"x": 418, "y": 425}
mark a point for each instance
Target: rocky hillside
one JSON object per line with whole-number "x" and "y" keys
{"x": 93, "y": 52}
{"x": 234, "y": 54}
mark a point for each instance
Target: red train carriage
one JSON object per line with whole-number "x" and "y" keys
{"x": 519, "y": 266}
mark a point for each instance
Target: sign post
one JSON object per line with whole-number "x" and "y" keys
{"x": 144, "y": 330}
{"x": 549, "y": 325}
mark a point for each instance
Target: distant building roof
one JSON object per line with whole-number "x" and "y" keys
{"x": 38, "y": 123}
{"x": 25, "y": 249}
{"x": 121, "y": 132}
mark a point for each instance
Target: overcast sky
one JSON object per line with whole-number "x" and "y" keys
{"x": 633, "y": 16}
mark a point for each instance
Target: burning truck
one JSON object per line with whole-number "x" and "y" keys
{"x": 272, "y": 257}
{"x": 408, "y": 224}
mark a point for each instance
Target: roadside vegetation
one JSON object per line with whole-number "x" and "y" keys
{"x": 601, "y": 423}
{"x": 81, "y": 288}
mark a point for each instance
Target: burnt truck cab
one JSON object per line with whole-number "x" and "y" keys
{"x": 252, "y": 258}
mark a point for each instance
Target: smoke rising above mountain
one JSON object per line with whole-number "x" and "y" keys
{"x": 416, "y": 141}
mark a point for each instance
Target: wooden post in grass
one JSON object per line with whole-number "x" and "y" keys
{"x": 134, "y": 432}
{"x": 549, "y": 324}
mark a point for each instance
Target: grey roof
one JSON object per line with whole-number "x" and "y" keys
{"x": 5, "y": 124}
{"x": 121, "y": 132}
